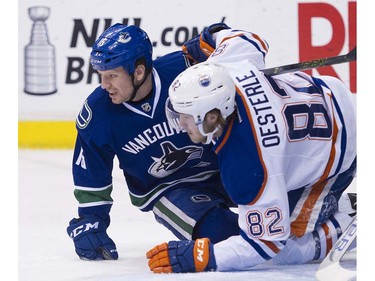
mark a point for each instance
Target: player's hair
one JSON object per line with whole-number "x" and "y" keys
{"x": 122, "y": 45}
{"x": 221, "y": 120}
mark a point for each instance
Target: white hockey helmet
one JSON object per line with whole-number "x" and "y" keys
{"x": 198, "y": 90}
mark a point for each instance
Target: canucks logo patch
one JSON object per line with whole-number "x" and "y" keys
{"x": 124, "y": 37}
{"x": 173, "y": 159}
{"x": 84, "y": 116}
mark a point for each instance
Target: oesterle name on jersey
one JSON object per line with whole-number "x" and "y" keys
{"x": 258, "y": 100}
{"x": 149, "y": 136}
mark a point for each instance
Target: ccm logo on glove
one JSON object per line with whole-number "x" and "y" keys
{"x": 201, "y": 251}
{"x": 86, "y": 227}
{"x": 182, "y": 256}
{"x": 90, "y": 238}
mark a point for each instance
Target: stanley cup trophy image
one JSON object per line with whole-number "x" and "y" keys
{"x": 40, "y": 74}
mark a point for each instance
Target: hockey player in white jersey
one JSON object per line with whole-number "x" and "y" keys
{"x": 287, "y": 151}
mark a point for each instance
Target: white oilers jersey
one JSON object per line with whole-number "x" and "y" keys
{"x": 237, "y": 45}
{"x": 291, "y": 132}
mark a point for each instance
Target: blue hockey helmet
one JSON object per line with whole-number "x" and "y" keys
{"x": 121, "y": 45}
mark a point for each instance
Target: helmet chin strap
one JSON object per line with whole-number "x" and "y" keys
{"x": 210, "y": 135}
{"x": 136, "y": 87}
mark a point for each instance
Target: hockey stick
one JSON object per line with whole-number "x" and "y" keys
{"x": 330, "y": 266}
{"x": 351, "y": 56}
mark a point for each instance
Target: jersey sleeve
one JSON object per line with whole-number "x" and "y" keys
{"x": 238, "y": 45}
{"x": 265, "y": 227}
{"x": 92, "y": 165}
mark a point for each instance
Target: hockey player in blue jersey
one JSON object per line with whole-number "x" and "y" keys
{"x": 287, "y": 151}
{"x": 165, "y": 172}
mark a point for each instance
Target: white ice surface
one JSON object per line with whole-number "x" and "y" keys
{"x": 46, "y": 204}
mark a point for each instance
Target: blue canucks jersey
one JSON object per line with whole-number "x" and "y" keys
{"x": 154, "y": 157}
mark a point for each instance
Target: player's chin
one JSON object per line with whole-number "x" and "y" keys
{"x": 196, "y": 139}
{"x": 116, "y": 100}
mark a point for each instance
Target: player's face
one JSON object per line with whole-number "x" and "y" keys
{"x": 118, "y": 84}
{"x": 188, "y": 124}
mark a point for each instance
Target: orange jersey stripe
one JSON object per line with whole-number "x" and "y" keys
{"x": 226, "y": 136}
{"x": 264, "y": 45}
{"x": 225, "y": 139}
{"x": 299, "y": 225}
{"x": 328, "y": 238}
{"x": 258, "y": 149}
{"x": 271, "y": 245}
{"x": 230, "y": 37}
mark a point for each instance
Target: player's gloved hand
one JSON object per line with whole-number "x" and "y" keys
{"x": 182, "y": 256}
{"x": 200, "y": 47}
{"x": 91, "y": 240}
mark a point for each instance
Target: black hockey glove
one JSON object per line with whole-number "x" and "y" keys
{"x": 91, "y": 240}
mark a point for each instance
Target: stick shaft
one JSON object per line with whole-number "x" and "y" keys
{"x": 351, "y": 56}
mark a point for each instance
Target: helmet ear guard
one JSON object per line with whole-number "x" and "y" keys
{"x": 121, "y": 45}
